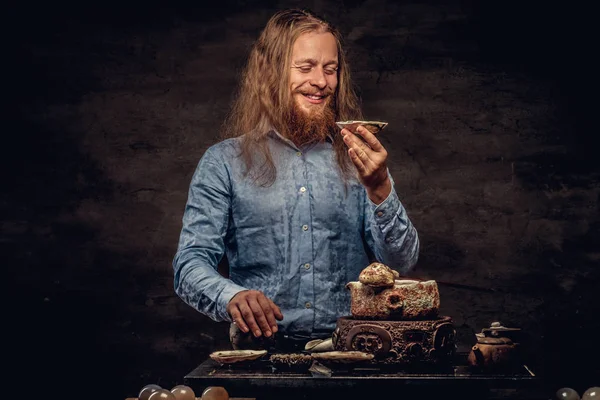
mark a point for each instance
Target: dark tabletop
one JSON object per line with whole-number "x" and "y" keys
{"x": 259, "y": 379}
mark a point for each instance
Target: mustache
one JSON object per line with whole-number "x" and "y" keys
{"x": 328, "y": 92}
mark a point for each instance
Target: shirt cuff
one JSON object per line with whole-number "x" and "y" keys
{"x": 230, "y": 290}
{"x": 388, "y": 209}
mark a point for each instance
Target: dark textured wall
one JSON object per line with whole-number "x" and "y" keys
{"x": 490, "y": 141}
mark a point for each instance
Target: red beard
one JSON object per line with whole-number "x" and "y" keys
{"x": 306, "y": 128}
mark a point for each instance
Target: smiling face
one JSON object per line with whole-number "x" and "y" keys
{"x": 314, "y": 72}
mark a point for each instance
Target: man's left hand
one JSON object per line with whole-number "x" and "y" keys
{"x": 369, "y": 157}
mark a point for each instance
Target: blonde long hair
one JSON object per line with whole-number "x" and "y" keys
{"x": 264, "y": 96}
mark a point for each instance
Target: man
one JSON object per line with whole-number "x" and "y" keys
{"x": 297, "y": 206}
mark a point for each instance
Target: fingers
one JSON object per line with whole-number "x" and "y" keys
{"x": 276, "y": 311}
{"x": 237, "y": 318}
{"x": 265, "y": 317}
{"x": 358, "y": 163}
{"x": 369, "y": 157}
{"x": 370, "y": 138}
{"x": 253, "y": 312}
{"x": 359, "y": 151}
{"x": 248, "y": 316}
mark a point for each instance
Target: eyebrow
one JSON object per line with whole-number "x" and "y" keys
{"x": 312, "y": 61}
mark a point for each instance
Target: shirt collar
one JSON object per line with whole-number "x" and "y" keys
{"x": 276, "y": 135}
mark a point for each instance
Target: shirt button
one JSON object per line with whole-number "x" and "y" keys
{"x": 304, "y": 227}
{"x": 380, "y": 213}
{"x": 307, "y": 266}
{"x": 299, "y": 153}
{"x": 303, "y": 189}
{"x": 307, "y": 305}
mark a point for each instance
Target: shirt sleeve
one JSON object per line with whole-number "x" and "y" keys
{"x": 202, "y": 241}
{"x": 390, "y": 234}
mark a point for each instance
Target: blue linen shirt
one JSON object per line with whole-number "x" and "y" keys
{"x": 299, "y": 241}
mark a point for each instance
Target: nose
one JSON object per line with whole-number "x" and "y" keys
{"x": 318, "y": 78}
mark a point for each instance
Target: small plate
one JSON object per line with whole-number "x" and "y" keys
{"x": 373, "y": 126}
{"x": 235, "y": 356}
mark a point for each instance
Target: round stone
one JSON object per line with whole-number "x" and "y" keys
{"x": 162, "y": 394}
{"x": 592, "y": 393}
{"x": 567, "y": 393}
{"x": 183, "y": 392}
{"x": 215, "y": 393}
{"x": 147, "y": 390}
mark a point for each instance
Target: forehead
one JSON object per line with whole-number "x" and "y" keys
{"x": 319, "y": 46}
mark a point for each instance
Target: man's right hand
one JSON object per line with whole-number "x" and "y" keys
{"x": 252, "y": 311}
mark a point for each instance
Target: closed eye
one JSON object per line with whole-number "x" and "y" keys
{"x": 307, "y": 68}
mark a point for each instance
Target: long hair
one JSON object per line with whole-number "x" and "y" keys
{"x": 264, "y": 95}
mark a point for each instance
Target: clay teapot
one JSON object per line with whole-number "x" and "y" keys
{"x": 495, "y": 348}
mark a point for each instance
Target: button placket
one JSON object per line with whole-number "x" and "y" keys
{"x": 301, "y": 183}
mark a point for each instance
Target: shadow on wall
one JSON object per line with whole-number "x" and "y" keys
{"x": 84, "y": 309}
{"x": 439, "y": 254}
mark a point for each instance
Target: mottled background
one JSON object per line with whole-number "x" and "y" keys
{"x": 111, "y": 106}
